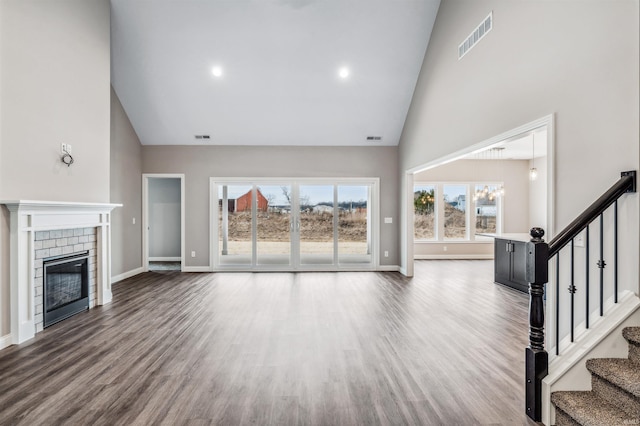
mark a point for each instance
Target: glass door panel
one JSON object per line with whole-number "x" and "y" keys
{"x": 315, "y": 224}
{"x": 235, "y": 242}
{"x": 354, "y": 236}
{"x": 273, "y": 215}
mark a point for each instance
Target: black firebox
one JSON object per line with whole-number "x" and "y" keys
{"x": 66, "y": 286}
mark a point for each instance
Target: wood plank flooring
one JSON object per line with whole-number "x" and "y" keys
{"x": 443, "y": 348}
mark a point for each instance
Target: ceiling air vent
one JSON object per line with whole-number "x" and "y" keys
{"x": 475, "y": 36}
{"x": 374, "y": 138}
{"x": 203, "y": 137}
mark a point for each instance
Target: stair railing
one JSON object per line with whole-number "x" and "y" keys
{"x": 539, "y": 254}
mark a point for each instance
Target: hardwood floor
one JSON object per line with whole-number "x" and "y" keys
{"x": 443, "y": 348}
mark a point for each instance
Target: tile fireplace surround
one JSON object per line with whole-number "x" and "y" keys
{"x": 31, "y": 217}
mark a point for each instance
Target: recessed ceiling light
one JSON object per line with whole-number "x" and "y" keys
{"x": 216, "y": 71}
{"x": 343, "y": 72}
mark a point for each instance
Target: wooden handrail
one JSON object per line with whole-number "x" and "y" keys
{"x": 627, "y": 183}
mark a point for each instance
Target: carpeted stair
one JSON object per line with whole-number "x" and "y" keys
{"x": 614, "y": 398}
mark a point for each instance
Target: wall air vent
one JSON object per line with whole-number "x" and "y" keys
{"x": 374, "y": 138}
{"x": 475, "y": 36}
{"x": 203, "y": 137}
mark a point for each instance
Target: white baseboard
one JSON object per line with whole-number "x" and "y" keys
{"x": 388, "y": 268}
{"x": 381, "y": 268}
{"x": 5, "y": 341}
{"x": 126, "y": 275}
{"x": 453, "y": 256}
{"x": 196, "y": 269}
{"x": 165, "y": 259}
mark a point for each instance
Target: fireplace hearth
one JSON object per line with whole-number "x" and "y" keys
{"x": 66, "y": 286}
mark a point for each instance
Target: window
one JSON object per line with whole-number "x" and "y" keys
{"x": 456, "y": 211}
{"x": 424, "y": 219}
{"x": 486, "y": 208}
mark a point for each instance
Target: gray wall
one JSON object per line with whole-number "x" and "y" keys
{"x": 126, "y": 189}
{"x": 164, "y": 217}
{"x": 199, "y": 163}
{"x": 54, "y": 86}
{"x": 576, "y": 59}
{"x": 515, "y": 207}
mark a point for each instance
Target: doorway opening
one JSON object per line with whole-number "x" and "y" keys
{"x": 163, "y": 226}
{"x": 484, "y": 198}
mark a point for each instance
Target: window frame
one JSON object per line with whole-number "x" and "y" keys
{"x": 436, "y": 194}
{"x": 339, "y": 263}
{"x": 470, "y": 212}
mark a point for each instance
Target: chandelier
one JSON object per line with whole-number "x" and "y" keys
{"x": 490, "y": 192}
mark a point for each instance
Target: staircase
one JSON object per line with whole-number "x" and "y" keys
{"x": 615, "y": 395}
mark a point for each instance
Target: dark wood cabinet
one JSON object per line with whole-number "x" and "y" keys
{"x": 510, "y": 263}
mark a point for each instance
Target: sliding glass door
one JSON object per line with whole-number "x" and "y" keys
{"x": 234, "y": 224}
{"x": 316, "y": 218}
{"x": 301, "y": 224}
{"x": 273, "y": 224}
{"x": 354, "y": 243}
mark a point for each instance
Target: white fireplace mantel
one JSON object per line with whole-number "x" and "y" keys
{"x": 28, "y": 217}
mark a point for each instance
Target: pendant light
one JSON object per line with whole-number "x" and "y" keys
{"x": 533, "y": 172}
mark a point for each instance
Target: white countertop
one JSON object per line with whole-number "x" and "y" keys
{"x": 509, "y": 236}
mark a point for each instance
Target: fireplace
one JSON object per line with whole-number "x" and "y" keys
{"x": 66, "y": 286}
{"x": 40, "y": 230}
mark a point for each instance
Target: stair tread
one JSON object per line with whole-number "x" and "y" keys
{"x": 619, "y": 371}
{"x": 588, "y": 409}
{"x": 632, "y": 334}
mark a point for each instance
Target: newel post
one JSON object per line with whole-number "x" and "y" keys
{"x": 537, "y": 359}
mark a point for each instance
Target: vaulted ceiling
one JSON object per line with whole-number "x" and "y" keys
{"x": 279, "y": 65}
